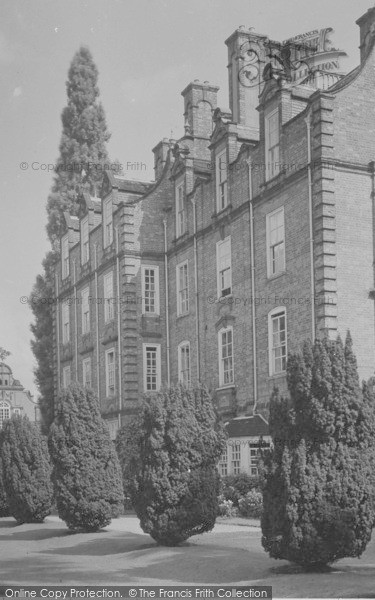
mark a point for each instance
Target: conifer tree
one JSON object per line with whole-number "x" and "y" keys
{"x": 127, "y": 447}
{"x": 83, "y": 157}
{"x": 175, "y": 481}
{"x": 317, "y": 497}
{"x": 42, "y": 303}
{"x": 4, "y": 507}
{"x": 26, "y": 470}
{"x": 86, "y": 472}
{"x": 83, "y": 152}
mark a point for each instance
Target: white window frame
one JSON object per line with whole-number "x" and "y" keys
{"x": 85, "y": 247}
{"x": 155, "y": 372}
{"x": 184, "y": 372}
{"x": 274, "y": 314}
{"x": 222, "y": 267}
{"x": 4, "y": 412}
{"x": 109, "y": 311}
{"x": 65, "y": 266}
{"x": 110, "y": 373}
{"x": 67, "y": 376}
{"x": 272, "y": 150}
{"x": 86, "y": 372}
{"x": 65, "y": 322}
{"x": 85, "y": 308}
{"x": 149, "y": 294}
{"x": 182, "y": 292}
{"x": 107, "y": 222}
{"x": 273, "y": 269}
{"x": 221, "y": 180}
{"x": 223, "y": 463}
{"x": 254, "y": 453}
{"x": 224, "y": 380}
{"x": 180, "y": 209}
{"x": 236, "y": 458}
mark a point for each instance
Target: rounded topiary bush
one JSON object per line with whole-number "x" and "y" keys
{"x": 173, "y": 479}
{"x": 86, "y": 472}
{"x": 26, "y": 470}
{"x": 318, "y": 477}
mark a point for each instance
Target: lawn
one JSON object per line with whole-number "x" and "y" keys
{"x": 123, "y": 555}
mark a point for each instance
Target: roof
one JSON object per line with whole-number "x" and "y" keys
{"x": 131, "y": 185}
{"x": 92, "y": 203}
{"x": 72, "y": 221}
{"x": 253, "y": 426}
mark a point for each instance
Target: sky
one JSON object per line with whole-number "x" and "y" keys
{"x": 146, "y": 52}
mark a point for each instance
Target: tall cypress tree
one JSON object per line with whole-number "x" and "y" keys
{"x": 317, "y": 495}
{"x": 83, "y": 156}
{"x": 83, "y": 151}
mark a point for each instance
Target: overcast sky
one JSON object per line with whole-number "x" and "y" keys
{"x": 146, "y": 51}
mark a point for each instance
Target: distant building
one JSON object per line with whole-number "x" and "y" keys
{"x": 247, "y": 437}
{"x": 257, "y": 234}
{"x": 14, "y": 399}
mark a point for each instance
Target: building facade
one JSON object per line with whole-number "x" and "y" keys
{"x": 257, "y": 234}
{"x": 14, "y": 399}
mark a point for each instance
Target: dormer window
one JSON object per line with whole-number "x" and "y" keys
{"x": 107, "y": 223}
{"x": 272, "y": 143}
{"x": 84, "y": 240}
{"x": 221, "y": 181}
{"x": 180, "y": 210}
{"x": 65, "y": 256}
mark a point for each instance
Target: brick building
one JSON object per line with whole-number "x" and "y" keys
{"x": 257, "y": 234}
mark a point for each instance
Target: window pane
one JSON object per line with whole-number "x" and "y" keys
{"x": 278, "y": 343}
{"x": 224, "y": 267}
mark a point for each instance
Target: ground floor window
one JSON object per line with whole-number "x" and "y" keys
{"x": 4, "y": 413}
{"x": 223, "y": 464}
{"x": 151, "y": 367}
{"x": 236, "y": 458}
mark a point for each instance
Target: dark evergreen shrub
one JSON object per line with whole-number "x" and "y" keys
{"x": 86, "y": 471}
{"x": 175, "y": 483}
{"x": 4, "y": 507}
{"x": 317, "y": 479}
{"x": 26, "y": 470}
{"x": 127, "y": 447}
